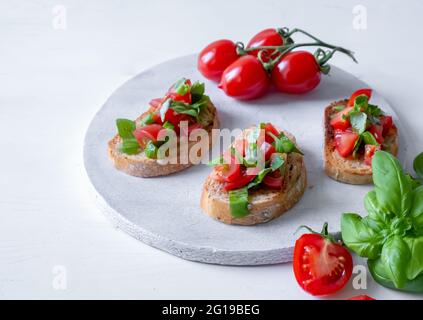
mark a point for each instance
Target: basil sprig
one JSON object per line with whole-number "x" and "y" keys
{"x": 283, "y": 144}
{"x": 129, "y": 143}
{"x": 391, "y": 235}
{"x": 238, "y": 202}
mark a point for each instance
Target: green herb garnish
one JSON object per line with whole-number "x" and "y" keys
{"x": 238, "y": 202}
{"x": 129, "y": 144}
{"x": 148, "y": 119}
{"x": 150, "y": 150}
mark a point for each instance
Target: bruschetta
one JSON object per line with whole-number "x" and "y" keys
{"x": 354, "y": 130}
{"x": 260, "y": 177}
{"x": 135, "y": 149}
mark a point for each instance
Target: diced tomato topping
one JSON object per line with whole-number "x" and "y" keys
{"x": 147, "y": 133}
{"x": 361, "y": 297}
{"x": 270, "y": 128}
{"x": 155, "y": 103}
{"x": 240, "y": 182}
{"x": 345, "y": 141}
{"x": 377, "y": 131}
{"x": 175, "y": 118}
{"x": 177, "y": 97}
{"x": 338, "y": 122}
{"x": 369, "y": 152}
{"x": 366, "y": 92}
{"x": 240, "y": 145}
{"x": 387, "y": 123}
{"x": 273, "y": 180}
{"x": 268, "y": 149}
{"x": 229, "y": 172}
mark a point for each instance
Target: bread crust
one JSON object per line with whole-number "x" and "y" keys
{"x": 142, "y": 166}
{"x": 264, "y": 204}
{"x": 349, "y": 170}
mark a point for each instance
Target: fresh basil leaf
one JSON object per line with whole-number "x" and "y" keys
{"x": 374, "y": 110}
{"x": 183, "y": 108}
{"x": 374, "y": 209}
{"x": 125, "y": 128}
{"x": 368, "y": 138}
{"x": 393, "y": 190}
{"x": 168, "y": 125}
{"x": 197, "y": 91}
{"x": 239, "y": 158}
{"x": 181, "y": 87}
{"x": 277, "y": 161}
{"x": 164, "y": 107}
{"x": 360, "y": 238}
{"x": 357, "y": 146}
{"x": 283, "y": 144}
{"x": 416, "y": 212}
{"x": 130, "y": 146}
{"x": 238, "y": 202}
{"x": 150, "y": 150}
{"x": 358, "y": 121}
{"x": 413, "y": 181}
{"x": 395, "y": 257}
{"x": 339, "y": 108}
{"x": 415, "y": 264}
{"x": 418, "y": 166}
{"x": 361, "y": 103}
{"x": 259, "y": 178}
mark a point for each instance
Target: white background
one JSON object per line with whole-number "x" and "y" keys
{"x": 52, "y": 81}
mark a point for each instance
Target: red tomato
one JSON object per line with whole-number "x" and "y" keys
{"x": 172, "y": 94}
{"x": 215, "y": 58}
{"x": 245, "y": 79}
{"x": 296, "y": 72}
{"x": 191, "y": 128}
{"x": 377, "y": 131}
{"x": 362, "y": 297}
{"x": 369, "y": 152}
{"x": 321, "y": 266}
{"x": 273, "y": 180}
{"x": 175, "y": 118}
{"x": 270, "y": 128}
{"x": 147, "y": 133}
{"x": 387, "y": 123}
{"x": 345, "y": 141}
{"x": 267, "y": 37}
{"x": 338, "y": 123}
{"x": 359, "y": 92}
{"x": 240, "y": 182}
{"x": 229, "y": 172}
{"x": 268, "y": 149}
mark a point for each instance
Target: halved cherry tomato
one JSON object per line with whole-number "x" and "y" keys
{"x": 175, "y": 118}
{"x": 345, "y": 141}
{"x": 273, "y": 180}
{"x": 377, "y": 131}
{"x": 268, "y": 149}
{"x": 387, "y": 123}
{"x": 267, "y": 37}
{"x": 245, "y": 79}
{"x": 240, "y": 182}
{"x": 216, "y": 57}
{"x": 270, "y": 128}
{"x": 369, "y": 152}
{"x": 229, "y": 172}
{"x": 361, "y": 297}
{"x": 366, "y": 92}
{"x": 338, "y": 122}
{"x": 321, "y": 266}
{"x": 296, "y": 72}
{"x": 147, "y": 133}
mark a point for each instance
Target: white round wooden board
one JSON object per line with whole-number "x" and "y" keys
{"x": 164, "y": 212}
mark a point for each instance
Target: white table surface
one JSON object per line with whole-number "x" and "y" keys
{"x": 52, "y": 81}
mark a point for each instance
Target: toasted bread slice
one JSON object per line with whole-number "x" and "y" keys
{"x": 350, "y": 170}
{"x": 265, "y": 204}
{"x": 140, "y": 165}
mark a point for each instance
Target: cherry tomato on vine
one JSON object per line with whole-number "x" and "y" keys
{"x": 321, "y": 265}
{"x": 267, "y": 37}
{"x": 296, "y": 72}
{"x": 245, "y": 79}
{"x": 216, "y": 57}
